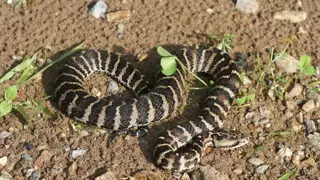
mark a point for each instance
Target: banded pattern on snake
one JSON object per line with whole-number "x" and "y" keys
{"x": 180, "y": 148}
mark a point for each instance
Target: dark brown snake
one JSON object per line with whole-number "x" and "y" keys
{"x": 180, "y": 148}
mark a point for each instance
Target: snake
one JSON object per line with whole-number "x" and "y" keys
{"x": 180, "y": 148}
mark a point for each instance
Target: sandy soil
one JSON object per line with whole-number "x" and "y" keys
{"x": 61, "y": 24}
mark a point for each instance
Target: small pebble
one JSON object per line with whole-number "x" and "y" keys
{"x": 314, "y": 140}
{"x": 238, "y": 171}
{"x": 118, "y": 16}
{"x": 297, "y": 157}
{"x": 3, "y": 161}
{"x": 262, "y": 169}
{"x": 113, "y": 87}
{"x": 84, "y": 133}
{"x": 310, "y": 126}
{"x": 98, "y": 9}
{"x": 44, "y": 157}
{"x": 287, "y": 63}
{"x": 29, "y": 146}
{"x": 308, "y": 106}
{"x": 120, "y": 30}
{"x": 5, "y": 176}
{"x": 264, "y": 111}
{"x": 302, "y": 30}
{"x": 255, "y": 161}
{"x": 29, "y": 172}
{"x": 248, "y": 6}
{"x": 78, "y": 152}
{"x": 292, "y": 16}
{"x": 246, "y": 81}
{"x": 26, "y": 156}
{"x": 185, "y": 176}
{"x": 296, "y": 125}
{"x": 5, "y": 134}
{"x": 17, "y": 58}
{"x": 291, "y": 105}
{"x": 106, "y": 176}
{"x": 96, "y": 92}
{"x": 271, "y": 94}
{"x": 72, "y": 170}
{"x": 314, "y": 95}
{"x": 295, "y": 91}
{"x": 284, "y": 151}
{"x": 35, "y": 175}
{"x": 209, "y": 10}
{"x": 62, "y": 135}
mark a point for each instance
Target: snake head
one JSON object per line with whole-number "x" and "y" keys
{"x": 228, "y": 139}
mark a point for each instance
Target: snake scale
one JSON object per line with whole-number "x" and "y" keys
{"x": 178, "y": 149}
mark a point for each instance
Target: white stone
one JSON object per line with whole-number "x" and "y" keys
{"x": 113, "y": 87}
{"x": 209, "y": 10}
{"x": 78, "y": 152}
{"x": 98, "y": 10}
{"x": 106, "y": 176}
{"x": 3, "y": 161}
{"x": 292, "y": 16}
{"x": 287, "y": 63}
{"x": 308, "y": 106}
{"x": 261, "y": 169}
{"x": 247, "y": 6}
{"x": 284, "y": 151}
{"x": 255, "y": 161}
{"x": 295, "y": 91}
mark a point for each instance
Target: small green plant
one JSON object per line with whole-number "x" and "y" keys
{"x": 249, "y": 98}
{"x": 305, "y": 66}
{"x": 288, "y": 175}
{"x": 168, "y": 64}
{"x": 26, "y": 71}
{"x": 226, "y": 42}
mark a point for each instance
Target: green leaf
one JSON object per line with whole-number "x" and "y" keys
{"x": 250, "y": 97}
{"x": 22, "y": 111}
{"x": 25, "y": 63}
{"x": 46, "y": 111}
{"x": 5, "y": 108}
{"x": 11, "y": 93}
{"x": 27, "y": 73}
{"x": 282, "y": 133}
{"x": 288, "y": 174}
{"x": 168, "y": 65}
{"x": 304, "y": 61}
{"x": 309, "y": 70}
{"x": 211, "y": 36}
{"x": 211, "y": 83}
{"x": 162, "y": 52}
{"x": 242, "y": 100}
{"x": 7, "y": 76}
{"x": 220, "y": 46}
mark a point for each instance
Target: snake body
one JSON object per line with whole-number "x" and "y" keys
{"x": 180, "y": 148}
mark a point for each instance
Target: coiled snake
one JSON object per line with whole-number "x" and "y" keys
{"x": 180, "y": 148}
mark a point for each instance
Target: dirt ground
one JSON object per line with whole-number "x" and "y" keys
{"x": 61, "y": 24}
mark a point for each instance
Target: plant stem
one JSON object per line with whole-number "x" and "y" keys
{"x": 184, "y": 67}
